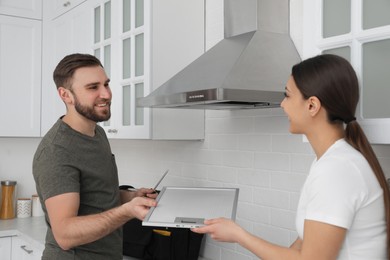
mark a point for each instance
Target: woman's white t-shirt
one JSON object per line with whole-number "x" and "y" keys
{"x": 342, "y": 190}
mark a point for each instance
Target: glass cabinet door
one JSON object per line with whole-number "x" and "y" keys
{"x": 371, "y": 51}
{"x": 376, "y": 60}
{"x": 376, "y": 79}
{"x": 119, "y": 42}
{"x": 359, "y": 31}
{"x": 132, "y": 58}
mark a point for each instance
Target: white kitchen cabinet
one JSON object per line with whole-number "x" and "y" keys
{"x": 22, "y": 8}
{"x": 20, "y": 76}
{"x": 60, "y": 7}
{"x": 360, "y": 32}
{"x": 120, "y": 44}
{"x": 23, "y": 250}
{"x": 142, "y": 44}
{"x": 5, "y": 248}
{"x": 69, "y": 33}
{"x": 139, "y": 52}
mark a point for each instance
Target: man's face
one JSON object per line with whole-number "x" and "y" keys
{"x": 92, "y": 93}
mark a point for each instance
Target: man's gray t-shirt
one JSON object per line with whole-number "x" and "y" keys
{"x": 68, "y": 161}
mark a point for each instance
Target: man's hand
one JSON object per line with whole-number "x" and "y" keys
{"x": 138, "y": 207}
{"x": 146, "y": 192}
{"x": 128, "y": 195}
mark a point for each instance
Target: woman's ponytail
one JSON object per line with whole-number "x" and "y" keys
{"x": 355, "y": 136}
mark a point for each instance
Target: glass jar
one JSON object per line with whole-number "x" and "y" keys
{"x": 8, "y": 194}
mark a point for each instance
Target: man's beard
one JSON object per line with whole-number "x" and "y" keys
{"x": 90, "y": 113}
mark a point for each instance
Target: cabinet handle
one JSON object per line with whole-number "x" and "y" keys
{"x": 66, "y": 4}
{"x": 27, "y": 250}
{"x": 112, "y": 131}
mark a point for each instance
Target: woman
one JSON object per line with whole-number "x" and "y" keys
{"x": 343, "y": 211}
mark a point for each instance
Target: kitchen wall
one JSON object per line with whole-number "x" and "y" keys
{"x": 251, "y": 150}
{"x": 16, "y": 156}
{"x": 248, "y": 149}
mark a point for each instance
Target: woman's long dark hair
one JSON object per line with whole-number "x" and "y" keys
{"x": 334, "y": 82}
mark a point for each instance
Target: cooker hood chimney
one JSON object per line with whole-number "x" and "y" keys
{"x": 247, "y": 69}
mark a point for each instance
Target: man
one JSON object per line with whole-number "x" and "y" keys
{"x": 76, "y": 174}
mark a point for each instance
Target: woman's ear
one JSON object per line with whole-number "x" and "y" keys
{"x": 314, "y": 105}
{"x": 66, "y": 95}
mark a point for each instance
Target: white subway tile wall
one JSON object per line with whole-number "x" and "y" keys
{"x": 248, "y": 149}
{"x": 268, "y": 166}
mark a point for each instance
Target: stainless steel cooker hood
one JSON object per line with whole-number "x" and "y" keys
{"x": 246, "y": 69}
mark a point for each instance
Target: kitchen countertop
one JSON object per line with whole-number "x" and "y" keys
{"x": 32, "y": 229}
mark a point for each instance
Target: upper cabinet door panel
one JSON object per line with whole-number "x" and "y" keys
{"x": 336, "y": 17}
{"x": 375, "y": 13}
{"x": 20, "y": 76}
{"x": 55, "y": 8}
{"x": 69, "y": 33}
{"x": 23, "y": 8}
{"x": 375, "y": 79}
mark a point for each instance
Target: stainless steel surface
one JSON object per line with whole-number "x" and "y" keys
{"x": 177, "y": 206}
{"x": 246, "y": 69}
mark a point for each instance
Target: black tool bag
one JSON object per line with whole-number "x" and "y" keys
{"x": 156, "y": 243}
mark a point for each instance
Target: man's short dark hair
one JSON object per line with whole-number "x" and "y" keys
{"x": 65, "y": 69}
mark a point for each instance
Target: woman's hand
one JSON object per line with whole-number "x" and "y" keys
{"x": 221, "y": 229}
